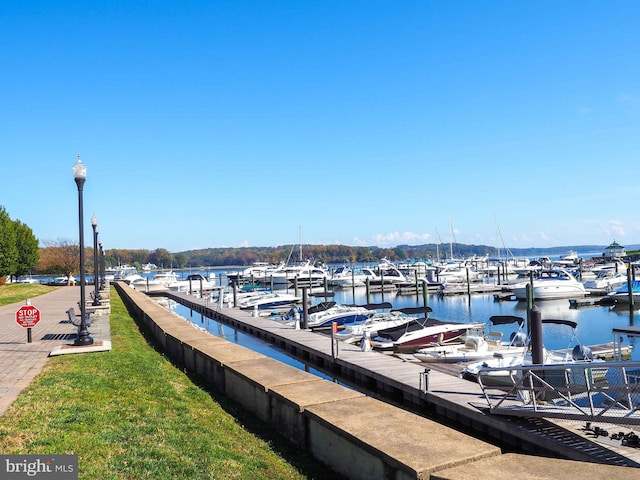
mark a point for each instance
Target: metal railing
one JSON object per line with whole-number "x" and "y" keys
{"x": 589, "y": 391}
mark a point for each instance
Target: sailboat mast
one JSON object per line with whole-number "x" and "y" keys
{"x": 301, "y": 244}
{"x": 498, "y": 237}
{"x": 451, "y": 238}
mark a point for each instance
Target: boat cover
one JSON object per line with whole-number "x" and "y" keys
{"x": 506, "y": 319}
{"x": 394, "y": 333}
{"x": 321, "y": 307}
{"x": 568, "y": 323}
{"x": 414, "y": 310}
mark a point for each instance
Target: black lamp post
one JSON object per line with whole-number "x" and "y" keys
{"x": 96, "y": 271}
{"x": 102, "y": 280}
{"x": 80, "y": 175}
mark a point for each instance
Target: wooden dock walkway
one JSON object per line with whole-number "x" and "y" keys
{"x": 423, "y": 388}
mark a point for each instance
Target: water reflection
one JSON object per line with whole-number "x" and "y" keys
{"x": 241, "y": 338}
{"x": 595, "y": 324}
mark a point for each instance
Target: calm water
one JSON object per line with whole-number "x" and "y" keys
{"x": 594, "y": 323}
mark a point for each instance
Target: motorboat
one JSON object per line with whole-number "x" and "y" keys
{"x": 417, "y": 269}
{"x": 456, "y": 274}
{"x": 497, "y": 371}
{"x": 621, "y": 295}
{"x": 607, "y": 280}
{"x": 131, "y": 279}
{"x": 160, "y": 281}
{"x": 193, "y": 283}
{"x": 389, "y": 272}
{"x": 29, "y": 280}
{"x": 305, "y": 274}
{"x": 571, "y": 259}
{"x": 420, "y": 333}
{"x": 535, "y": 266}
{"x": 268, "y": 299}
{"x": 119, "y": 272}
{"x": 325, "y": 314}
{"x": 257, "y": 272}
{"x": 353, "y": 333}
{"x": 615, "y": 265}
{"x": 385, "y": 275}
{"x": 478, "y": 346}
{"x": 345, "y": 277}
{"x": 552, "y": 284}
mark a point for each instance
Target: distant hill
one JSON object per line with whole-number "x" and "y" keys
{"x": 350, "y": 254}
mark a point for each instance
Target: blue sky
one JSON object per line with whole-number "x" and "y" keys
{"x": 242, "y": 123}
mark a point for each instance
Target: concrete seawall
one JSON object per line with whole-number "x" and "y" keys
{"x": 355, "y": 435}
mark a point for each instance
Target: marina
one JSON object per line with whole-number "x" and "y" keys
{"x": 402, "y": 381}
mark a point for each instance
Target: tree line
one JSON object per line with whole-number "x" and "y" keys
{"x": 19, "y": 252}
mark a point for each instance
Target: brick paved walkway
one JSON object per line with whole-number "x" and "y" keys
{"x": 21, "y": 361}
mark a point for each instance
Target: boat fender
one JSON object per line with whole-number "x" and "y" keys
{"x": 365, "y": 343}
{"x": 518, "y": 339}
{"x": 292, "y": 314}
{"x": 581, "y": 353}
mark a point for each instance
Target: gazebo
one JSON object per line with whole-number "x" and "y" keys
{"x": 615, "y": 250}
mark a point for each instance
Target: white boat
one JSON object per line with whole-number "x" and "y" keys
{"x": 344, "y": 277}
{"x": 268, "y": 299}
{"x": 160, "y": 281}
{"x": 420, "y": 333}
{"x": 353, "y": 333}
{"x": 29, "y": 280}
{"x": 119, "y": 273}
{"x": 64, "y": 280}
{"x": 304, "y": 273}
{"x": 552, "y": 284}
{"x": 607, "y": 280}
{"x": 135, "y": 277}
{"x": 478, "y": 346}
{"x": 571, "y": 259}
{"x": 388, "y": 272}
{"x": 257, "y": 272}
{"x": 454, "y": 273}
{"x": 621, "y": 296}
{"x": 534, "y": 266}
{"x": 614, "y": 265}
{"x": 414, "y": 269}
{"x": 385, "y": 275}
{"x": 325, "y": 314}
{"x": 497, "y": 370}
{"x": 193, "y": 283}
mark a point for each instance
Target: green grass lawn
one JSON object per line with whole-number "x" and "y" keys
{"x": 131, "y": 414}
{"x": 17, "y": 292}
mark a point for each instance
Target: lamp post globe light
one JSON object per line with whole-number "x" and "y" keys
{"x": 80, "y": 175}
{"x": 96, "y": 273}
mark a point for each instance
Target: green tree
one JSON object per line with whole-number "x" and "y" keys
{"x": 181, "y": 259}
{"x": 28, "y": 251}
{"x": 8, "y": 247}
{"x": 162, "y": 257}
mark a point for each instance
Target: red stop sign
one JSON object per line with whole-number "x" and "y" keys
{"x": 27, "y": 316}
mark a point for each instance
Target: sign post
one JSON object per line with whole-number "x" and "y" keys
{"x": 28, "y": 316}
